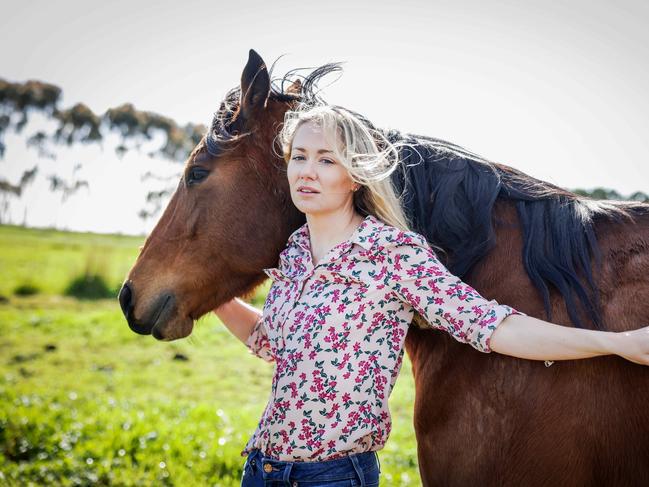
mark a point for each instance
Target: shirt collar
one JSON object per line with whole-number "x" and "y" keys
{"x": 295, "y": 259}
{"x": 361, "y": 236}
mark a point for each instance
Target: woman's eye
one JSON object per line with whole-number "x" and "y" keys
{"x": 297, "y": 158}
{"x": 196, "y": 175}
{"x": 328, "y": 161}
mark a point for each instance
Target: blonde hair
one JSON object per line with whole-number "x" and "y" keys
{"x": 365, "y": 152}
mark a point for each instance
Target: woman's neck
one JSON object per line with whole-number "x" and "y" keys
{"x": 327, "y": 231}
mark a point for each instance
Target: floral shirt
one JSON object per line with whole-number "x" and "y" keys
{"x": 336, "y": 332}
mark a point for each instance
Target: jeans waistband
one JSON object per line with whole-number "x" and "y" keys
{"x": 338, "y": 469}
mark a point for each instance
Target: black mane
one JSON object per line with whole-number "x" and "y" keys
{"x": 449, "y": 194}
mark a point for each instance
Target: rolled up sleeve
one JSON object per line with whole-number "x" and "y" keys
{"x": 441, "y": 298}
{"x": 258, "y": 342}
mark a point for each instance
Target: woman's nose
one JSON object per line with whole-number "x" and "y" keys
{"x": 308, "y": 170}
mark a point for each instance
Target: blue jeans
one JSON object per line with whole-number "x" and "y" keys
{"x": 357, "y": 469}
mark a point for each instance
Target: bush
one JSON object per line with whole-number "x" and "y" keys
{"x": 92, "y": 282}
{"x": 26, "y": 289}
{"x": 89, "y": 286}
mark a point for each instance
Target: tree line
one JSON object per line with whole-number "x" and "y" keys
{"x": 78, "y": 124}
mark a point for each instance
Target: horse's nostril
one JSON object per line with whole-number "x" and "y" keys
{"x": 125, "y": 299}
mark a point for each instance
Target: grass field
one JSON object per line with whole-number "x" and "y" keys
{"x": 85, "y": 401}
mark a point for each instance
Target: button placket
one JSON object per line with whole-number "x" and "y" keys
{"x": 310, "y": 270}
{"x": 300, "y": 283}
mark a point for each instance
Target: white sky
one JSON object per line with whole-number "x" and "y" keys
{"x": 556, "y": 89}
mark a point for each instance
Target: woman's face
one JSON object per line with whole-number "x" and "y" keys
{"x": 312, "y": 164}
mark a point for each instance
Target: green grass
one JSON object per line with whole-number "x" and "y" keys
{"x": 83, "y": 400}
{"x": 50, "y": 259}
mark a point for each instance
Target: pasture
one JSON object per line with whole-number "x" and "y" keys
{"x": 85, "y": 401}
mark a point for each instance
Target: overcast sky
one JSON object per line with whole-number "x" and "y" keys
{"x": 556, "y": 89}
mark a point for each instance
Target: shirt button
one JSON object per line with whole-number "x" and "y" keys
{"x": 268, "y": 467}
{"x": 295, "y": 483}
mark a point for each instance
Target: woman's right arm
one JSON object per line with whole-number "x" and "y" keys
{"x": 245, "y": 322}
{"x": 239, "y": 317}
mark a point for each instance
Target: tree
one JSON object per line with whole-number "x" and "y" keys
{"x": 80, "y": 125}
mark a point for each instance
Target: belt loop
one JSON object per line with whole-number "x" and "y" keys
{"x": 354, "y": 458}
{"x": 287, "y": 474}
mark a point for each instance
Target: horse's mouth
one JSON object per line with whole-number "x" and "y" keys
{"x": 161, "y": 320}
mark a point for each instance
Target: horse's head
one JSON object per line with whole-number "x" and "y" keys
{"x": 228, "y": 219}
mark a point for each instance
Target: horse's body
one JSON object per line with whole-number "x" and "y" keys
{"x": 495, "y": 420}
{"x": 480, "y": 419}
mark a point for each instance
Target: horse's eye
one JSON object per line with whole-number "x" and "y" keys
{"x": 196, "y": 175}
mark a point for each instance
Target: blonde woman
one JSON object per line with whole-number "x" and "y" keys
{"x": 349, "y": 283}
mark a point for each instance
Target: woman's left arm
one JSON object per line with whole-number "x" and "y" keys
{"x": 530, "y": 338}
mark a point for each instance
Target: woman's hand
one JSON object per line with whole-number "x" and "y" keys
{"x": 633, "y": 345}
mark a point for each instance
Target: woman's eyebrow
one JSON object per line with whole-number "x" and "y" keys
{"x": 320, "y": 151}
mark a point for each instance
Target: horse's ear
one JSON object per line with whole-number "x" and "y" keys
{"x": 295, "y": 88}
{"x": 255, "y": 86}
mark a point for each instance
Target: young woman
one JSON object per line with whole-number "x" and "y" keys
{"x": 349, "y": 283}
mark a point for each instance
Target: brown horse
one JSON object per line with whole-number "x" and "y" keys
{"x": 480, "y": 419}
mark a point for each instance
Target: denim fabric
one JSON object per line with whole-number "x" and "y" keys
{"x": 355, "y": 470}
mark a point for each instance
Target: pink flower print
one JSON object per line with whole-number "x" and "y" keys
{"x": 397, "y": 262}
{"x": 317, "y": 383}
{"x": 381, "y": 275}
{"x": 331, "y": 413}
{"x": 344, "y": 361}
{"x": 433, "y": 286}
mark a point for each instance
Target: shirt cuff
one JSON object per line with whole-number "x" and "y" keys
{"x": 481, "y": 336}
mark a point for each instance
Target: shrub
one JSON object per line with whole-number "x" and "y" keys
{"x": 92, "y": 282}
{"x": 26, "y": 289}
{"x": 89, "y": 286}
